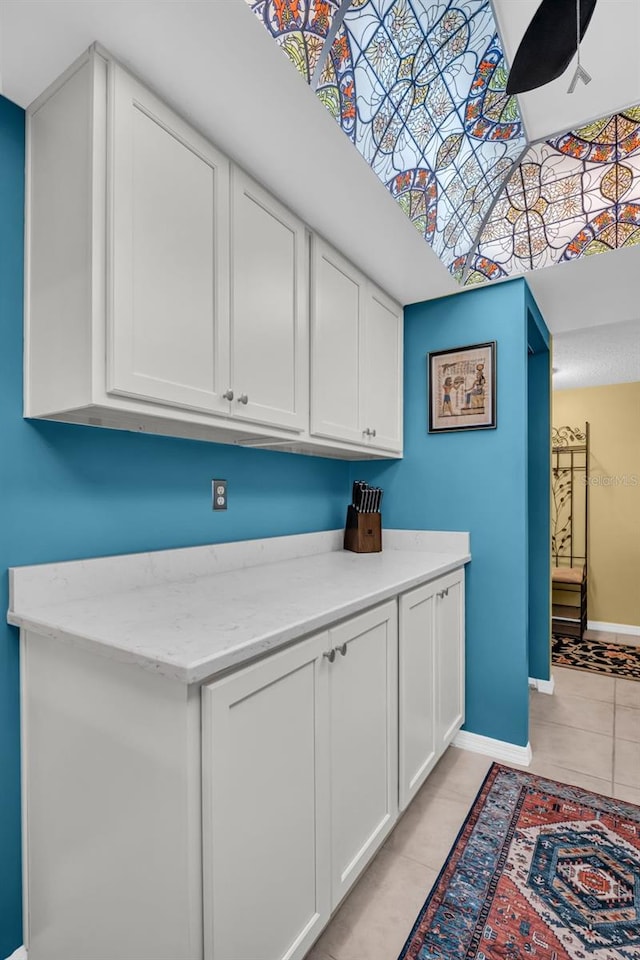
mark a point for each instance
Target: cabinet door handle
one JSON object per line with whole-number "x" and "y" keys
{"x": 440, "y": 594}
{"x": 342, "y": 649}
{"x": 367, "y": 432}
{"x": 243, "y": 398}
{"x": 228, "y": 395}
{"x": 330, "y": 655}
{"x": 373, "y": 432}
{"x": 443, "y": 593}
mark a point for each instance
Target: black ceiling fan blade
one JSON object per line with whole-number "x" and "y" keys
{"x": 549, "y": 43}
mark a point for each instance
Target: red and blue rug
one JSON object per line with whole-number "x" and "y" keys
{"x": 540, "y": 871}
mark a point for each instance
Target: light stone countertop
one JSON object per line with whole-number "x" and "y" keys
{"x": 192, "y": 629}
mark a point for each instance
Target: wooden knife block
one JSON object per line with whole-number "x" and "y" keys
{"x": 363, "y": 532}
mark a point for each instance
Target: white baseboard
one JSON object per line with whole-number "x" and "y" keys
{"x": 627, "y": 628}
{"x": 498, "y": 749}
{"x": 543, "y": 686}
{"x": 19, "y": 954}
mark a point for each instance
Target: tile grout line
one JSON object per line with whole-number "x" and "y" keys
{"x": 582, "y": 773}
{"x": 613, "y": 752}
{"x": 568, "y": 726}
{"x": 421, "y": 863}
{"x": 566, "y": 766}
{"x": 579, "y": 696}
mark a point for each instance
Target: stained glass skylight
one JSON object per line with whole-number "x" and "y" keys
{"x": 300, "y": 27}
{"x": 419, "y": 88}
{"x": 336, "y": 86}
{"x": 431, "y": 108}
{"x": 573, "y": 196}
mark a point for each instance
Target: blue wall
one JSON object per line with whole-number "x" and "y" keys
{"x": 539, "y": 491}
{"x": 476, "y": 481}
{"x": 69, "y": 491}
{"x": 11, "y": 232}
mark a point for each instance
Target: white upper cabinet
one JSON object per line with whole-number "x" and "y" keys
{"x": 169, "y": 223}
{"x": 381, "y": 371}
{"x": 356, "y": 355}
{"x": 269, "y": 309}
{"x": 337, "y": 301}
{"x": 168, "y": 292}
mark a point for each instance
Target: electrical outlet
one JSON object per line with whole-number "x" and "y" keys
{"x": 219, "y": 494}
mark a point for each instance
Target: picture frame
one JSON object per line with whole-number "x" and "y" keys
{"x": 461, "y": 388}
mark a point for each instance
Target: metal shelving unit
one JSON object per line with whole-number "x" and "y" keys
{"x": 570, "y": 529}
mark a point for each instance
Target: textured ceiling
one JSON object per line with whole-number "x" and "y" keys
{"x": 597, "y": 356}
{"x": 589, "y": 292}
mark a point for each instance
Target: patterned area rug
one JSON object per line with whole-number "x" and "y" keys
{"x": 612, "y": 659}
{"x": 539, "y": 870}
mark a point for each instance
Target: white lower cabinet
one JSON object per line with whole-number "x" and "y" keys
{"x": 266, "y": 807}
{"x": 228, "y": 821}
{"x": 305, "y": 756}
{"x": 363, "y": 694}
{"x": 449, "y": 672}
{"x": 417, "y": 667}
{"x": 299, "y": 786}
{"x": 431, "y": 677}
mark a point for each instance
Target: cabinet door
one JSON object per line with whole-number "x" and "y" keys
{"x": 265, "y": 807}
{"x": 168, "y": 250}
{"x": 363, "y": 741}
{"x": 449, "y": 631}
{"x": 417, "y": 690}
{"x": 269, "y": 309}
{"x": 381, "y": 372}
{"x": 337, "y": 296}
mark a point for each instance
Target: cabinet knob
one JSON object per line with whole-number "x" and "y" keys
{"x": 228, "y": 395}
{"x": 243, "y": 398}
{"x": 367, "y": 432}
{"x": 342, "y": 649}
{"x": 330, "y": 655}
{"x": 373, "y": 432}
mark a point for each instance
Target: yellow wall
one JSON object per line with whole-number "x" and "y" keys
{"x": 613, "y": 413}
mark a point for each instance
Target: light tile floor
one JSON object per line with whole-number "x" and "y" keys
{"x": 628, "y": 638}
{"x": 587, "y": 733}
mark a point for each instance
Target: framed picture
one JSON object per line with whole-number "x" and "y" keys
{"x": 462, "y": 388}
